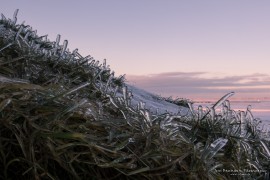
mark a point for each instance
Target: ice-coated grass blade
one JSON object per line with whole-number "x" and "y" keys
{"x": 70, "y": 108}
{"x": 223, "y": 99}
{"x": 5, "y": 103}
{"x": 15, "y": 16}
{"x": 64, "y": 136}
{"x": 266, "y": 149}
{"x": 138, "y": 171}
{"x": 6, "y": 46}
{"x": 11, "y": 61}
{"x": 214, "y": 147}
{"x": 64, "y": 47}
{"x": 73, "y": 90}
{"x": 3, "y": 17}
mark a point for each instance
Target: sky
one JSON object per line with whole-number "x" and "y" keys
{"x": 182, "y": 48}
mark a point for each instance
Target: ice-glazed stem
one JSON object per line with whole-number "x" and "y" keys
{"x": 223, "y": 99}
{"x": 6, "y": 46}
{"x": 64, "y": 47}
{"x": 15, "y": 16}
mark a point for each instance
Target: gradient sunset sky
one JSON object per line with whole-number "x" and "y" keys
{"x": 196, "y": 49}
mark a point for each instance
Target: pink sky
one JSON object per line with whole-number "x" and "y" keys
{"x": 214, "y": 47}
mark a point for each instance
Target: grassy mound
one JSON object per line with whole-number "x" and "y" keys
{"x": 64, "y": 116}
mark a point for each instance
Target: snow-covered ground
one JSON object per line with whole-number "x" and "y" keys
{"x": 154, "y": 103}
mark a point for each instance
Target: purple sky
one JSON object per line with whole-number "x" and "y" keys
{"x": 195, "y": 49}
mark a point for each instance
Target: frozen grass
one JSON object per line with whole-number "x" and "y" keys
{"x": 60, "y": 118}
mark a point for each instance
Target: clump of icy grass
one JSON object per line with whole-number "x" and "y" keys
{"x": 64, "y": 116}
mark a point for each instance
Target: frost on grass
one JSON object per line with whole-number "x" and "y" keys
{"x": 65, "y": 115}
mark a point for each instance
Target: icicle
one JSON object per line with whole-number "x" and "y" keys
{"x": 73, "y": 55}
{"x": 200, "y": 112}
{"x": 45, "y": 52}
{"x": 120, "y": 100}
{"x": 32, "y": 43}
{"x": 141, "y": 105}
{"x": 50, "y": 53}
{"x": 147, "y": 118}
{"x": 3, "y": 17}
{"x": 224, "y": 110}
{"x": 15, "y": 16}
{"x": 97, "y": 63}
{"x": 108, "y": 82}
{"x": 56, "y": 44}
{"x": 191, "y": 108}
{"x": 64, "y": 48}
{"x": 57, "y": 40}
{"x": 227, "y": 104}
{"x": 112, "y": 100}
{"x": 36, "y": 47}
{"x": 92, "y": 63}
{"x": 87, "y": 58}
{"x": 115, "y": 91}
{"x": 212, "y": 113}
{"x": 242, "y": 117}
{"x": 75, "y": 51}
{"x": 78, "y": 55}
{"x": 130, "y": 96}
{"x": 249, "y": 114}
{"x": 18, "y": 33}
{"x": 34, "y": 33}
{"x": 242, "y": 123}
{"x": 46, "y": 38}
{"x": 26, "y": 35}
{"x": 163, "y": 122}
{"x": 26, "y": 28}
{"x": 125, "y": 94}
{"x": 104, "y": 63}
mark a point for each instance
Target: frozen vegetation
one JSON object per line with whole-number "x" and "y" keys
{"x": 64, "y": 116}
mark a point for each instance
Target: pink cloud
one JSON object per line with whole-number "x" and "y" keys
{"x": 194, "y": 85}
